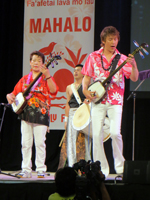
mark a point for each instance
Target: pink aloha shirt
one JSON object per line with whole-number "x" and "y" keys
{"x": 93, "y": 68}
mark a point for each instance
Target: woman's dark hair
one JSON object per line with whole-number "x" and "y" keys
{"x": 38, "y": 53}
{"x": 65, "y": 179}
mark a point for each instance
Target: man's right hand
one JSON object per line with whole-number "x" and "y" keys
{"x": 89, "y": 95}
{"x": 10, "y": 98}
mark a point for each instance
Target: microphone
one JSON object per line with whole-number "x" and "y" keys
{"x": 6, "y": 104}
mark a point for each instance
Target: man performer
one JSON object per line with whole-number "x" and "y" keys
{"x": 98, "y": 66}
{"x": 35, "y": 116}
{"x": 73, "y": 138}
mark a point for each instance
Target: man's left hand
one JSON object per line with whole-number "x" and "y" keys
{"x": 131, "y": 60}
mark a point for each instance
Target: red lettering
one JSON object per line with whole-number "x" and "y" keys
{"x": 86, "y": 24}
{"x": 68, "y": 25}
{"x": 76, "y": 2}
{"x": 76, "y": 25}
{"x": 35, "y": 27}
{"x": 44, "y": 3}
{"x": 62, "y": 117}
{"x": 47, "y": 25}
{"x": 28, "y": 2}
{"x": 59, "y": 24}
{"x": 53, "y": 117}
{"x": 89, "y": 1}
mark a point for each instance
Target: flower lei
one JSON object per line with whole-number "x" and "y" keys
{"x": 33, "y": 87}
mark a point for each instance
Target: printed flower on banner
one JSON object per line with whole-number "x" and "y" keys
{"x": 75, "y": 59}
{"x": 68, "y": 41}
{"x": 31, "y": 38}
{"x": 66, "y": 75}
{"x": 81, "y": 11}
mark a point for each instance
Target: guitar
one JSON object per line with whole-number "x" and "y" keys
{"x": 100, "y": 87}
{"x": 20, "y": 100}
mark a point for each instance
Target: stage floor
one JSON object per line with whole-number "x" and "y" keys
{"x": 49, "y": 176}
{"x": 12, "y": 188}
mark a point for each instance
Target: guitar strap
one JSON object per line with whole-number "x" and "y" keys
{"x": 76, "y": 94}
{"x": 114, "y": 64}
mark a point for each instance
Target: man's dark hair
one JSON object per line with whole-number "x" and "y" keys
{"x": 109, "y": 30}
{"x": 65, "y": 179}
{"x": 38, "y": 53}
{"x": 79, "y": 65}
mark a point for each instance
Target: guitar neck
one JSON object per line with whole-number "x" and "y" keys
{"x": 26, "y": 92}
{"x": 116, "y": 70}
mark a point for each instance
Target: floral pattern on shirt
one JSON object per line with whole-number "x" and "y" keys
{"x": 37, "y": 109}
{"x": 93, "y": 68}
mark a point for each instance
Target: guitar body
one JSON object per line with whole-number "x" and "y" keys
{"x": 100, "y": 91}
{"x": 20, "y": 103}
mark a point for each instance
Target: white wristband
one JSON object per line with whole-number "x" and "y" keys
{"x": 66, "y": 118}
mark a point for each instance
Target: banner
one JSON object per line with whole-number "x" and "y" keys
{"x": 59, "y": 27}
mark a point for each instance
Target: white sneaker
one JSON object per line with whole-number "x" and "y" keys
{"x": 25, "y": 174}
{"x": 40, "y": 174}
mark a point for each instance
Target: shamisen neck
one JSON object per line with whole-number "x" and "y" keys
{"x": 35, "y": 78}
{"x": 35, "y": 74}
